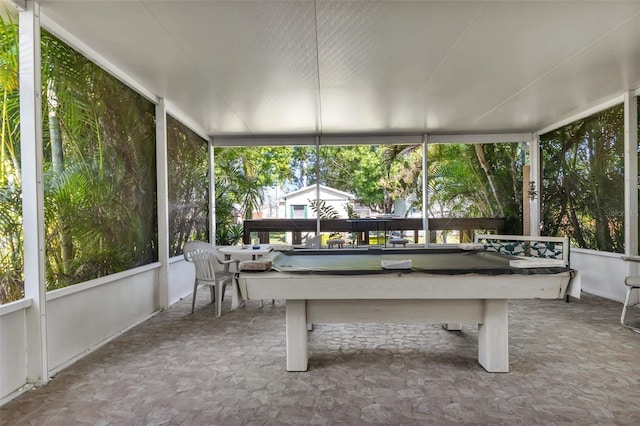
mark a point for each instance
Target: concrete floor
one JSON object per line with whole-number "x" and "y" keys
{"x": 570, "y": 364}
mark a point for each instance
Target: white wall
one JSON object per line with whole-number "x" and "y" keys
{"x": 602, "y": 274}
{"x": 181, "y": 277}
{"x": 84, "y": 316}
{"x": 79, "y": 319}
{"x": 13, "y": 347}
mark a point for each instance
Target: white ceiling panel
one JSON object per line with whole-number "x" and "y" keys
{"x": 606, "y": 62}
{"x": 257, "y": 58}
{"x": 365, "y": 67}
{"x": 375, "y": 60}
{"x": 508, "y": 48}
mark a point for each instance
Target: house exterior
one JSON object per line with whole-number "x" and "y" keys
{"x": 297, "y": 204}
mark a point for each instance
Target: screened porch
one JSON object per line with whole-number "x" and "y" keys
{"x": 127, "y": 125}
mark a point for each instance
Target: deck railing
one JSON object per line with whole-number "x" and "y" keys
{"x": 467, "y": 227}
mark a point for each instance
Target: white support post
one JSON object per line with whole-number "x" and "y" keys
{"x": 317, "y": 172}
{"x": 425, "y": 193}
{"x": 163, "y": 204}
{"x": 631, "y": 185}
{"x": 631, "y": 174}
{"x": 535, "y": 175}
{"x": 33, "y": 193}
{"x": 212, "y": 194}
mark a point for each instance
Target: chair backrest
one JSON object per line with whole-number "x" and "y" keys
{"x": 519, "y": 245}
{"x": 313, "y": 242}
{"x": 203, "y": 257}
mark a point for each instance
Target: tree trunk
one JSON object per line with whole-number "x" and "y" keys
{"x": 487, "y": 171}
{"x": 57, "y": 165}
{"x": 575, "y": 223}
{"x": 57, "y": 160}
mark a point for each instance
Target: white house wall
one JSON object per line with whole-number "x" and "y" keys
{"x": 329, "y": 198}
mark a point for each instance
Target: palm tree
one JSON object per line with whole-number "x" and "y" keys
{"x": 465, "y": 180}
{"x": 583, "y": 195}
{"x": 188, "y": 177}
{"x": 11, "y": 236}
{"x": 238, "y": 193}
{"x": 99, "y": 170}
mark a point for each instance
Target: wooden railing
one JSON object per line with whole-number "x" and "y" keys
{"x": 466, "y": 226}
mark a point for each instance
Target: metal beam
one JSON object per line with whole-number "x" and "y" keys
{"x": 21, "y": 5}
{"x": 481, "y": 138}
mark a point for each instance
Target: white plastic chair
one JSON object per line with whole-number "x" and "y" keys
{"x": 313, "y": 242}
{"x": 396, "y": 237}
{"x": 204, "y": 258}
{"x": 633, "y": 283}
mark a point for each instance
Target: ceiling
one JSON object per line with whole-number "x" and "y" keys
{"x": 368, "y": 67}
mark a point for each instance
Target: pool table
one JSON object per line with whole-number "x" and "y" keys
{"x": 429, "y": 285}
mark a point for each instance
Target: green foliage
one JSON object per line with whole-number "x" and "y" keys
{"x": 11, "y": 235}
{"x": 188, "y": 186}
{"x": 238, "y": 193}
{"x": 351, "y": 213}
{"x": 98, "y": 164}
{"x": 459, "y": 186}
{"x": 229, "y": 234}
{"x": 100, "y": 212}
{"x": 11, "y": 244}
{"x": 322, "y": 210}
{"x": 583, "y": 181}
{"x": 358, "y": 169}
{"x": 379, "y": 175}
{"x": 243, "y": 173}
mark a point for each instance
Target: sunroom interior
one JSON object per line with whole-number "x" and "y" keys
{"x": 311, "y": 73}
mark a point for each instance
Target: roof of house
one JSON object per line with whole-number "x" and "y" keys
{"x": 312, "y": 188}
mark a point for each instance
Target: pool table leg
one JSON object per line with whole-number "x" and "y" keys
{"x": 296, "y": 321}
{"x": 452, "y": 326}
{"x": 493, "y": 337}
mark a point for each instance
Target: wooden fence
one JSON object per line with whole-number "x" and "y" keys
{"x": 362, "y": 227}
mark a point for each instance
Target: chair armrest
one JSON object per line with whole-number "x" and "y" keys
{"x": 226, "y": 262}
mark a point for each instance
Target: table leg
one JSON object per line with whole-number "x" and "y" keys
{"x": 255, "y": 257}
{"x": 235, "y": 293}
{"x": 384, "y": 236}
{"x": 355, "y": 234}
{"x": 452, "y": 326}
{"x": 493, "y": 337}
{"x": 235, "y": 290}
{"x": 296, "y": 321}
